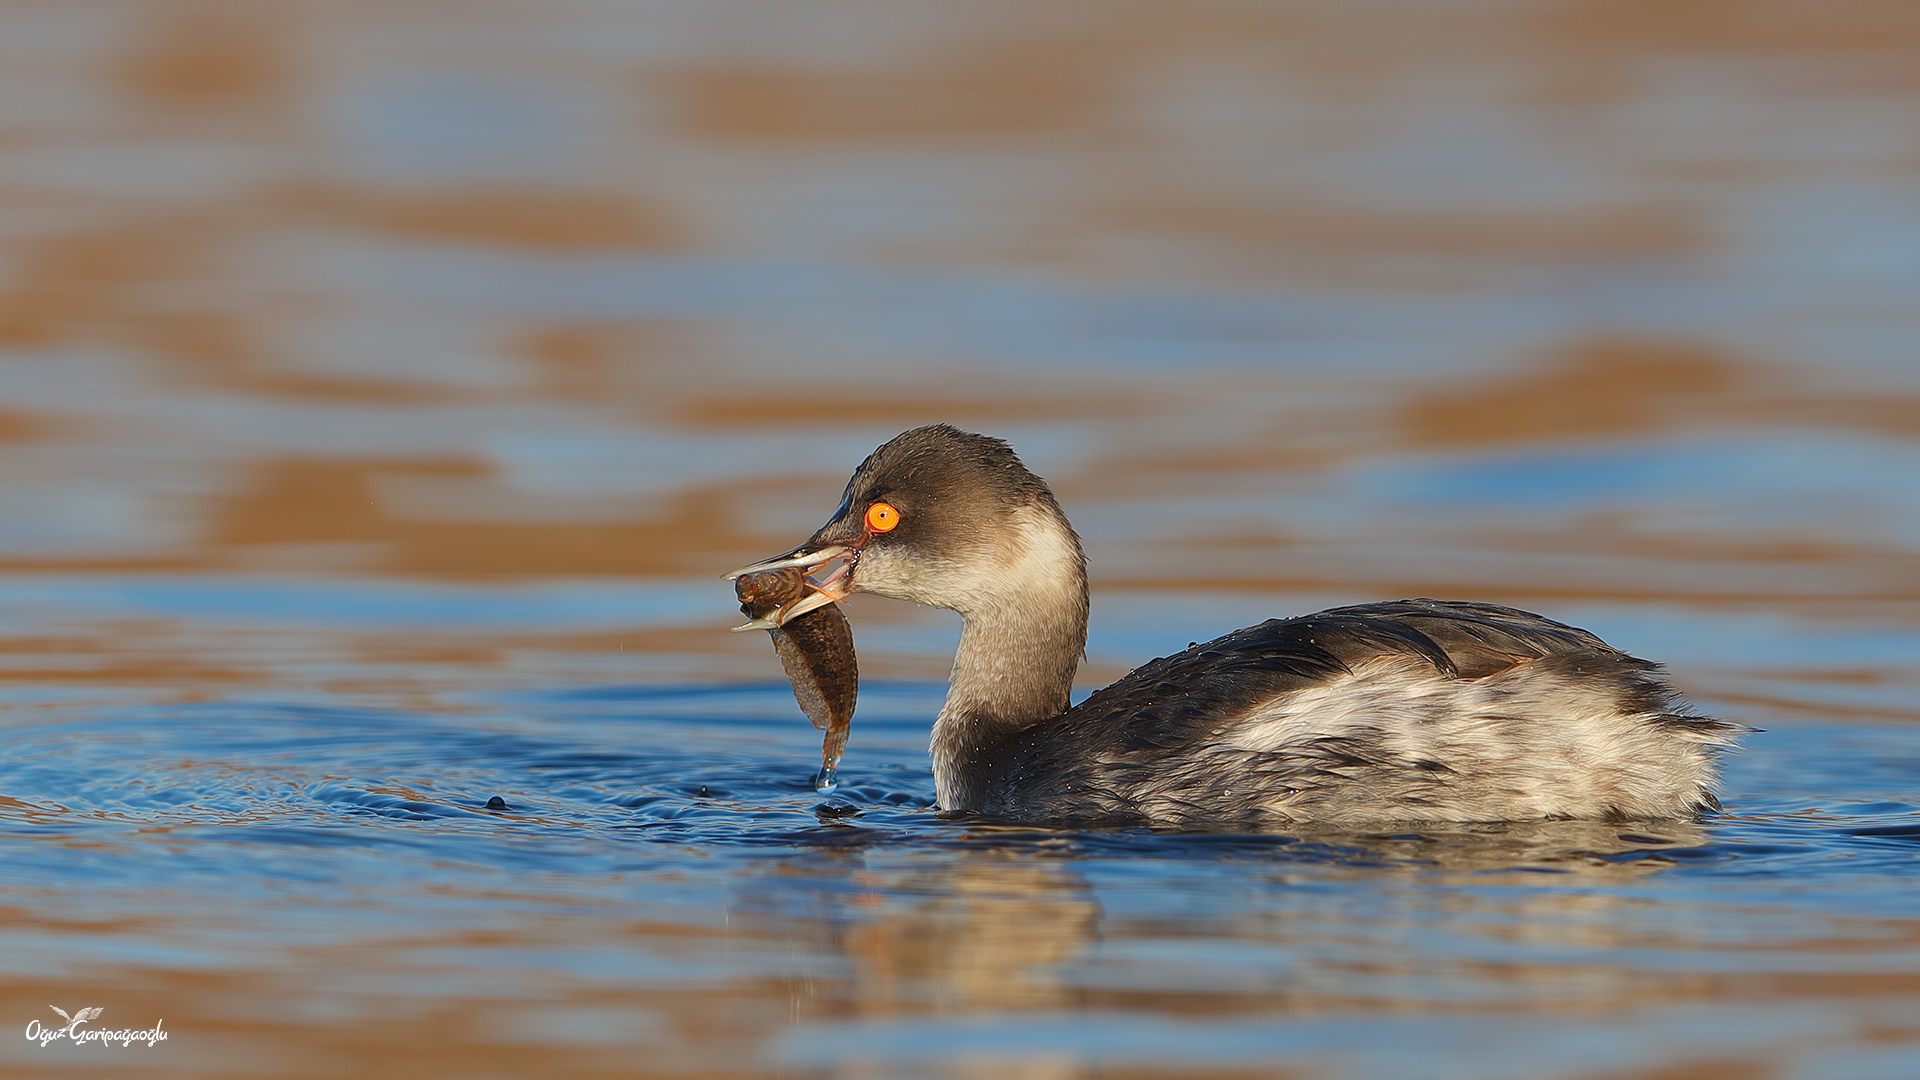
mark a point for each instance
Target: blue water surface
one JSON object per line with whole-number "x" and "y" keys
{"x": 244, "y": 834}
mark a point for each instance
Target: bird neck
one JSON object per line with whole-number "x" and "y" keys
{"x": 1020, "y": 644}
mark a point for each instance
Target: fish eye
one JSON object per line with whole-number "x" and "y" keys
{"x": 882, "y": 517}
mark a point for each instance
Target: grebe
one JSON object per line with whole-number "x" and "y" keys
{"x": 1413, "y": 710}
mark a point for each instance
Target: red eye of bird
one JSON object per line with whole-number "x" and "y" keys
{"x": 882, "y": 517}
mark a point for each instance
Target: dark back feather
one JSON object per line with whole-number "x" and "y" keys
{"x": 1175, "y": 704}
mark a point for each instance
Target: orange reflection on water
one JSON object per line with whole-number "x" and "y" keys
{"x": 331, "y": 333}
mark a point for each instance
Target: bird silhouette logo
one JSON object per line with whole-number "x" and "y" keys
{"x": 80, "y": 1017}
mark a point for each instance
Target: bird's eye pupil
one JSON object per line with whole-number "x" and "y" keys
{"x": 882, "y": 516}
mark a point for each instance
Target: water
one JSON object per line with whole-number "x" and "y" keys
{"x": 292, "y": 883}
{"x": 384, "y": 389}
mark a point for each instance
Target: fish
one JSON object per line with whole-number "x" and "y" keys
{"x": 816, "y": 651}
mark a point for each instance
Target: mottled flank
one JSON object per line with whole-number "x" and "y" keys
{"x": 1420, "y": 710}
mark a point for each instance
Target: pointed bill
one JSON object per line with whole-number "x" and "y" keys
{"x": 797, "y": 557}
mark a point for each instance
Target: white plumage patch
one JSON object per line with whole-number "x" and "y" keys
{"x": 1023, "y": 606}
{"x": 1398, "y": 740}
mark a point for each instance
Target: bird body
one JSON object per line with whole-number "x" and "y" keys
{"x": 1415, "y": 710}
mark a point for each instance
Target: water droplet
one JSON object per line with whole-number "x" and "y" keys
{"x": 826, "y": 780}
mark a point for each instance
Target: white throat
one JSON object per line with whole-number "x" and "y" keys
{"x": 1024, "y": 612}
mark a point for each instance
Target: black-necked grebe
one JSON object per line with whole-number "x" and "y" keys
{"x": 1414, "y": 710}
